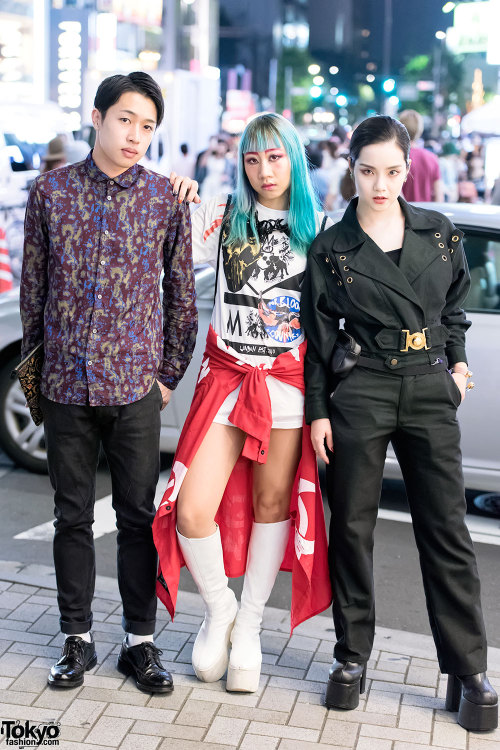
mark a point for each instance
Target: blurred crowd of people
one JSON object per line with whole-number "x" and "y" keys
{"x": 449, "y": 171}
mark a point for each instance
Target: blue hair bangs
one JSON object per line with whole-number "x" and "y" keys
{"x": 260, "y": 137}
{"x": 274, "y": 131}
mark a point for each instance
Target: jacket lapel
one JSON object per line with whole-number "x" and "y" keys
{"x": 365, "y": 257}
{"x": 369, "y": 260}
{"x": 420, "y": 247}
{"x": 418, "y": 253}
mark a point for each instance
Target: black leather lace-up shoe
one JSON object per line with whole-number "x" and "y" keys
{"x": 143, "y": 663}
{"x": 77, "y": 657}
{"x": 475, "y": 700}
{"x": 345, "y": 683}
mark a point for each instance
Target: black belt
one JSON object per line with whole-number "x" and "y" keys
{"x": 373, "y": 363}
{"x": 402, "y": 340}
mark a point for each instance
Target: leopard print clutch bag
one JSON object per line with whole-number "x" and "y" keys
{"x": 29, "y": 372}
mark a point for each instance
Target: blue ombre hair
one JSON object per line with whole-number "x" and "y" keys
{"x": 274, "y": 131}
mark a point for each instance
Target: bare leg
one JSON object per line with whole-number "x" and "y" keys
{"x": 273, "y": 481}
{"x": 204, "y": 484}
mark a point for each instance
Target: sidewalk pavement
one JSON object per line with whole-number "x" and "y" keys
{"x": 403, "y": 708}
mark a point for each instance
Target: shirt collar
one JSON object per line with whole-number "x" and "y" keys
{"x": 415, "y": 218}
{"x": 125, "y": 179}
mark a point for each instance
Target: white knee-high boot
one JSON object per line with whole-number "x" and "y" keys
{"x": 205, "y": 562}
{"x": 266, "y": 550}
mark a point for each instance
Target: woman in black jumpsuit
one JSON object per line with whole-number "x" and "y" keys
{"x": 397, "y": 276}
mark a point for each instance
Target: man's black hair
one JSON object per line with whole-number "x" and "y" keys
{"x": 112, "y": 88}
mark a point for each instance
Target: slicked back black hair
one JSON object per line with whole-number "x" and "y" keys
{"x": 112, "y": 88}
{"x": 378, "y": 129}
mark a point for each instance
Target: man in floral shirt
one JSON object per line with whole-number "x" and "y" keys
{"x": 98, "y": 235}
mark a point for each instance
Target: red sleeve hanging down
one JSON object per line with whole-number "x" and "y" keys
{"x": 307, "y": 552}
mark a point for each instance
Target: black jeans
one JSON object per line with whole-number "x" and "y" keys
{"x": 130, "y": 438}
{"x": 418, "y": 414}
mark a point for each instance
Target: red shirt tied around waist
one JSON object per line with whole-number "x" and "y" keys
{"x": 306, "y": 555}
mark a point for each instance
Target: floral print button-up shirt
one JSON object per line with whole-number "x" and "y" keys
{"x": 94, "y": 252}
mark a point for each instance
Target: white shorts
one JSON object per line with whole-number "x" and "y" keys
{"x": 287, "y": 405}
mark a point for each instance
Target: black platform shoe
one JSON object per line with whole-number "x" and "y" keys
{"x": 143, "y": 663}
{"x": 345, "y": 684}
{"x": 77, "y": 657}
{"x": 475, "y": 700}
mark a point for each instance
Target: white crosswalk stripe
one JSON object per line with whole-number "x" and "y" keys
{"x": 482, "y": 529}
{"x": 104, "y": 517}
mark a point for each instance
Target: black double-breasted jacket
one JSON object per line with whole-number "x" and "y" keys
{"x": 349, "y": 277}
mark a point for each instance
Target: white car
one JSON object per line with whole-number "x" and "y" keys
{"x": 478, "y": 415}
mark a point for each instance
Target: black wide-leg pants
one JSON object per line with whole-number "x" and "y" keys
{"x": 129, "y": 435}
{"x": 417, "y": 413}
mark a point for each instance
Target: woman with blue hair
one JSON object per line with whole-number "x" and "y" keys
{"x": 243, "y": 496}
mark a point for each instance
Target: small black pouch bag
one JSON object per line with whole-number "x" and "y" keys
{"x": 344, "y": 356}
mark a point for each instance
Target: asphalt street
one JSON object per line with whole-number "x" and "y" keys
{"x": 26, "y": 501}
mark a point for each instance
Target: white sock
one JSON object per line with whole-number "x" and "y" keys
{"x": 135, "y": 640}
{"x": 84, "y": 636}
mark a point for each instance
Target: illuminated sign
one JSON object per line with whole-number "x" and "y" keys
{"x": 69, "y": 63}
{"x": 493, "y": 49}
{"x": 470, "y": 28}
{"x": 141, "y": 12}
{"x": 68, "y": 48}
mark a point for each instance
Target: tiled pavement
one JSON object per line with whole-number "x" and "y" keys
{"x": 403, "y": 708}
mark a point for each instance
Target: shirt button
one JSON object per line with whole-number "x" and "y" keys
{"x": 108, "y": 197}
{"x": 262, "y": 453}
{"x": 103, "y": 262}
{"x": 111, "y": 182}
{"x": 106, "y": 231}
{"x": 394, "y": 361}
{"x": 99, "y": 296}
{"x": 89, "y": 362}
{"x": 94, "y": 330}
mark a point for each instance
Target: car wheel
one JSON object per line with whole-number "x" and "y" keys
{"x": 20, "y": 438}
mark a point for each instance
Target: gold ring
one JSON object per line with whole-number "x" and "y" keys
{"x": 470, "y": 386}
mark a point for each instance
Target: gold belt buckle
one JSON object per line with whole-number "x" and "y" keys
{"x": 416, "y": 340}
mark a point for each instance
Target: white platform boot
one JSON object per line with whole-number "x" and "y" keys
{"x": 266, "y": 550}
{"x": 205, "y": 562}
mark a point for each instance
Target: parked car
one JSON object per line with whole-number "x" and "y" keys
{"x": 478, "y": 415}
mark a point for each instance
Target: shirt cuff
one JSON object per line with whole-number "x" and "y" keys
{"x": 315, "y": 411}
{"x": 168, "y": 381}
{"x": 456, "y": 354}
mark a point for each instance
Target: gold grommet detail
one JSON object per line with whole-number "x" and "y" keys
{"x": 339, "y": 283}
{"x": 455, "y": 238}
{"x": 437, "y": 235}
{"x": 349, "y": 279}
{"x": 346, "y": 268}
{"x": 333, "y": 270}
{"x": 327, "y": 260}
{"x": 440, "y": 244}
{"x": 444, "y": 257}
{"x": 451, "y": 249}
{"x": 343, "y": 257}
